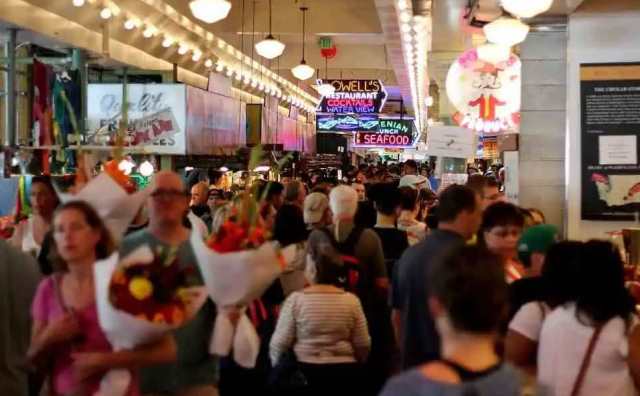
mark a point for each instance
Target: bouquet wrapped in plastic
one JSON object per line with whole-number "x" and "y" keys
{"x": 140, "y": 298}
{"x": 112, "y": 194}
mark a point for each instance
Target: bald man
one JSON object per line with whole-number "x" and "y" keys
{"x": 195, "y": 372}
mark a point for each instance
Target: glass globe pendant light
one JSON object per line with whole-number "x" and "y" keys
{"x": 506, "y": 31}
{"x": 270, "y": 48}
{"x": 210, "y": 11}
{"x": 303, "y": 71}
{"x": 526, "y": 8}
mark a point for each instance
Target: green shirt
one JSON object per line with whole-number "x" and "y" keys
{"x": 194, "y": 366}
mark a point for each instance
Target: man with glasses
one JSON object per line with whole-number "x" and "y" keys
{"x": 195, "y": 372}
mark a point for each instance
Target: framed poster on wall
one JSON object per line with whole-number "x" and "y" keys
{"x": 610, "y": 130}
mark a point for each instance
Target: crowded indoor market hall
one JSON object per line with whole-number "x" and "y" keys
{"x": 319, "y": 197}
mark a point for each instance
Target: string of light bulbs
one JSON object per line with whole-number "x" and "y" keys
{"x": 296, "y": 96}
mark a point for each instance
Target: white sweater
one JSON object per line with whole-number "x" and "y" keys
{"x": 322, "y": 327}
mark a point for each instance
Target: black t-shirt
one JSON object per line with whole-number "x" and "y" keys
{"x": 394, "y": 243}
{"x": 524, "y": 291}
{"x": 366, "y": 215}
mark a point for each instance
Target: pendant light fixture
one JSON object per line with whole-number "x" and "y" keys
{"x": 270, "y": 48}
{"x": 323, "y": 87}
{"x": 303, "y": 71}
{"x": 210, "y": 11}
{"x": 506, "y": 31}
{"x": 526, "y": 8}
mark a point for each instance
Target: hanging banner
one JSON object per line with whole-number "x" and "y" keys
{"x": 354, "y": 96}
{"x": 610, "y": 130}
{"x": 346, "y": 122}
{"x": 157, "y": 116}
{"x": 390, "y": 134}
{"x": 486, "y": 96}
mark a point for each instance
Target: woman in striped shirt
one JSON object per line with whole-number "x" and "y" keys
{"x": 325, "y": 326}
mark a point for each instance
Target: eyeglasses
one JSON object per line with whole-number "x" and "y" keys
{"x": 168, "y": 193}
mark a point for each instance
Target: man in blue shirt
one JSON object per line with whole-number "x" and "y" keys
{"x": 459, "y": 215}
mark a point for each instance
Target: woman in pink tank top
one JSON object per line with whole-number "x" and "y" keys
{"x": 67, "y": 341}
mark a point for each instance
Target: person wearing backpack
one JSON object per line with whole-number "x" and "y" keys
{"x": 467, "y": 300}
{"x": 592, "y": 346}
{"x": 365, "y": 275}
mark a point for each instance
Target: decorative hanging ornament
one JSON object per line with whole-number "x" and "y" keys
{"x": 486, "y": 96}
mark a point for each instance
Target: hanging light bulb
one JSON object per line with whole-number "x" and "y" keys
{"x": 149, "y": 32}
{"x": 208, "y": 63}
{"x": 506, "y": 31}
{"x": 219, "y": 67}
{"x": 303, "y": 71}
{"x": 126, "y": 166}
{"x": 247, "y": 80}
{"x": 78, "y": 3}
{"x": 197, "y": 54}
{"x": 130, "y": 23}
{"x": 229, "y": 72}
{"x": 146, "y": 169}
{"x": 238, "y": 76}
{"x": 493, "y": 53}
{"x": 167, "y": 42}
{"x": 526, "y": 8}
{"x": 183, "y": 49}
{"x": 210, "y": 11}
{"x": 254, "y": 83}
{"x": 270, "y": 48}
{"x": 106, "y": 13}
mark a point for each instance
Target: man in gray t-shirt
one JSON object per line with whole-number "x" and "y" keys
{"x": 19, "y": 277}
{"x": 195, "y": 372}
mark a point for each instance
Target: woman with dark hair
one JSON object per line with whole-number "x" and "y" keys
{"x": 325, "y": 327}
{"x": 592, "y": 346}
{"x": 468, "y": 300}
{"x": 501, "y": 228}
{"x": 32, "y": 235}
{"x": 66, "y": 335}
{"x": 558, "y": 280}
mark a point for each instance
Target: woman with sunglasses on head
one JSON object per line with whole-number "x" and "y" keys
{"x": 501, "y": 228}
{"x": 67, "y": 341}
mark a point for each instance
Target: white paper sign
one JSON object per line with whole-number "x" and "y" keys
{"x": 618, "y": 150}
{"x": 511, "y": 176}
{"x": 157, "y": 116}
{"x": 450, "y": 141}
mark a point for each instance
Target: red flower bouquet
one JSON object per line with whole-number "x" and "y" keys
{"x": 152, "y": 291}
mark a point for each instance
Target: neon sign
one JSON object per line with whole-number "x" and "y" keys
{"x": 346, "y": 122}
{"x": 354, "y": 96}
{"x": 390, "y": 133}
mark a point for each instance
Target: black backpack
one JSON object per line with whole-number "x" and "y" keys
{"x": 351, "y": 279}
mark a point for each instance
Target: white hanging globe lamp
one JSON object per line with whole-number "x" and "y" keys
{"x": 506, "y": 31}
{"x": 303, "y": 71}
{"x": 210, "y": 11}
{"x": 270, "y": 48}
{"x": 526, "y": 8}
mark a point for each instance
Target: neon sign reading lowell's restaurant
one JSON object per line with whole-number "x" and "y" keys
{"x": 354, "y": 96}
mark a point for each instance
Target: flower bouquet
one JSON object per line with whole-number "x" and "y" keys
{"x": 140, "y": 298}
{"x": 111, "y": 194}
{"x": 238, "y": 264}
